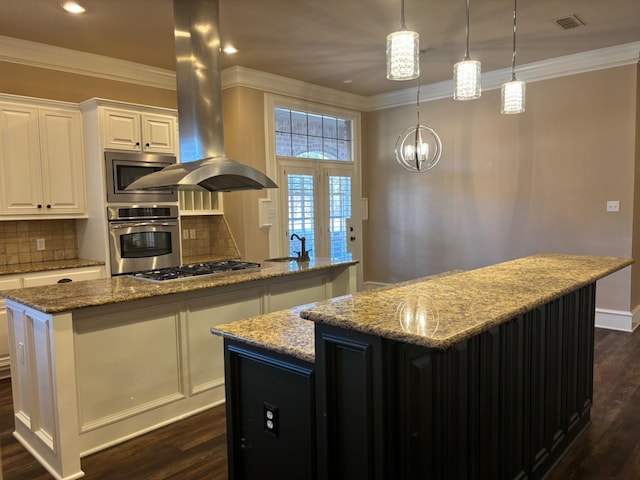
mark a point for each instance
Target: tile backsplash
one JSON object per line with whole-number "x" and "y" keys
{"x": 213, "y": 237}
{"x": 19, "y": 241}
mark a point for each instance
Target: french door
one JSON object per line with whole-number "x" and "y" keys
{"x": 317, "y": 206}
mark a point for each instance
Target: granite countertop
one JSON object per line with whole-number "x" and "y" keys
{"x": 90, "y": 293}
{"x": 437, "y": 311}
{"x": 285, "y": 331}
{"x": 21, "y": 268}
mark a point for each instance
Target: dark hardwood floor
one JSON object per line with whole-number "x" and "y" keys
{"x": 192, "y": 449}
{"x": 195, "y": 448}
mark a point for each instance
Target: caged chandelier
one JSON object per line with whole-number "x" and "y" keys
{"x": 466, "y": 74}
{"x": 403, "y": 52}
{"x": 418, "y": 147}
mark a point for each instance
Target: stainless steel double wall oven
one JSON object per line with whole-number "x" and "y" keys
{"x": 144, "y": 228}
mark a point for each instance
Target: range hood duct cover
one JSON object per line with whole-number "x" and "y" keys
{"x": 199, "y": 85}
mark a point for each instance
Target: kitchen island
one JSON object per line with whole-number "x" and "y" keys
{"x": 95, "y": 363}
{"x": 480, "y": 374}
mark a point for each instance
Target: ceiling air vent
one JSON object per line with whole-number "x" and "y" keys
{"x": 569, "y": 22}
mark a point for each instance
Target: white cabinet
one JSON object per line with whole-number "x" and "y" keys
{"x": 41, "y": 161}
{"x": 50, "y": 277}
{"x": 6, "y": 283}
{"x": 61, "y": 276}
{"x": 135, "y": 131}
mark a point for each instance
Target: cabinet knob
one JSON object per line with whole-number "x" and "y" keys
{"x": 39, "y": 206}
{"x": 147, "y": 145}
{"x": 137, "y": 144}
{"x": 65, "y": 280}
{"x": 48, "y": 206}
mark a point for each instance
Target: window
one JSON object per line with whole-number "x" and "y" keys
{"x": 311, "y": 135}
{"x": 314, "y": 157}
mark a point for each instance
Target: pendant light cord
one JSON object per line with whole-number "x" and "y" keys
{"x": 402, "y": 24}
{"x": 513, "y": 57}
{"x": 466, "y": 50}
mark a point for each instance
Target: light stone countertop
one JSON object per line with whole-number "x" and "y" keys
{"x": 437, "y": 312}
{"x": 90, "y": 293}
{"x": 285, "y": 331}
{"x": 22, "y": 268}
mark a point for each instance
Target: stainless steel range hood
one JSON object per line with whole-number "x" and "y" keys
{"x": 199, "y": 85}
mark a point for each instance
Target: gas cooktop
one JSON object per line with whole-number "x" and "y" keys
{"x": 194, "y": 270}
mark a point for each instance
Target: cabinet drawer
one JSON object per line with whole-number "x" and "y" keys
{"x": 73, "y": 274}
{"x": 10, "y": 283}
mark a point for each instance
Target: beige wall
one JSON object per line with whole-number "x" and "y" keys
{"x": 54, "y": 85}
{"x": 508, "y": 186}
{"x": 635, "y": 270}
{"x": 245, "y": 142}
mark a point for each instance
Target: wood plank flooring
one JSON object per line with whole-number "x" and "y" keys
{"x": 195, "y": 448}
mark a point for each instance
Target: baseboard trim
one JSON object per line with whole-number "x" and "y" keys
{"x": 617, "y": 319}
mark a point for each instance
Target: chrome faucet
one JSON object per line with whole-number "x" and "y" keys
{"x": 303, "y": 254}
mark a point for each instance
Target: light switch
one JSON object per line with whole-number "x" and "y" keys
{"x": 192, "y": 233}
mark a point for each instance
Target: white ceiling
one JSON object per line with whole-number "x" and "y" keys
{"x": 328, "y": 42}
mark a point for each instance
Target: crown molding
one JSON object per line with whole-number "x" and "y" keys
{"x": 246, "y": 77}
{"x": 603, "y": 58}
{"x": 40, "y": 55}
{"x": 72, "y": 61}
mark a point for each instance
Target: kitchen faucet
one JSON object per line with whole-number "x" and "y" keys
{"x": 303, "y": 255}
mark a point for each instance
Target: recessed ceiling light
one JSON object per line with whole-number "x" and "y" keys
{"x": 230, "y": 49}
{"x": 73, "y": 7}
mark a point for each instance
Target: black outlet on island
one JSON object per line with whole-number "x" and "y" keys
{"x": 270, "y": 419}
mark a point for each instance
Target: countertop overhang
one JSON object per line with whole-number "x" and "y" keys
{"x": 447, "y": 310}
{"x": 76, "y": 295}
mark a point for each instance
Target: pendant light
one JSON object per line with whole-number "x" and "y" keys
{"x": 466, "y": 74}
{"x": 403, "y": 52}
{"x": 418, "y": 147}
{"x": 513, "y": 92}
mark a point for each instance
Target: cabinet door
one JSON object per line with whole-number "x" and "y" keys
{"x": 20, "y": 175}
{"x": 63, "y": 175}
{"x": 5, "y": 284}
{"x": 121, "y": 129}
{"x": 158, "y": 133}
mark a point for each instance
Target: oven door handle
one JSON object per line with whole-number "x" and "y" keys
{"x": 142, "y": 224}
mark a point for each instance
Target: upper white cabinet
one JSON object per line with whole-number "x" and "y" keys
{"x": 141, "y": 132}
{"x": 41, "y": 160}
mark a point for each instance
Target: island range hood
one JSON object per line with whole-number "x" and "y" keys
{"x": 199, "y": 86}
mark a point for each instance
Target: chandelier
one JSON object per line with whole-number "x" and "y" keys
{"x": 466, "y": 74}
{"x": 403, "y": 52}
{"x": 513, "y": 92}
{"x": 418, "y": 147}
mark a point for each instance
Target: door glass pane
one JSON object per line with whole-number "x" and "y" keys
{"x": 301, "y": 212}
{"x": 339, "y": 212}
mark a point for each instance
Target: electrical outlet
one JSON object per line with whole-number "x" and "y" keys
{"x": 40, "y": 244}
{"x": 270, "y": 419}
{"x": 613, "y": 206}
{"x": 192, "y": 234}
{"x": 185, "y": 234}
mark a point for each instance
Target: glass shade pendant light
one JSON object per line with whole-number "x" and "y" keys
{"x": 403, "y": 52}
{"x": 418, "y": 147}
{"x": 514, "y": 92}
{"x": 466, "y": 74}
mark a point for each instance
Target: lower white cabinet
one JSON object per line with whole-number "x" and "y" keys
{"x": 60, "y": 276}
{"x": 123, "y": 369}
{"x": 10, "y": 282}
{"x": 5, "y": 284}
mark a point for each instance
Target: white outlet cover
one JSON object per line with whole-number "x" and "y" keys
{"x": 613, "y": 206}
